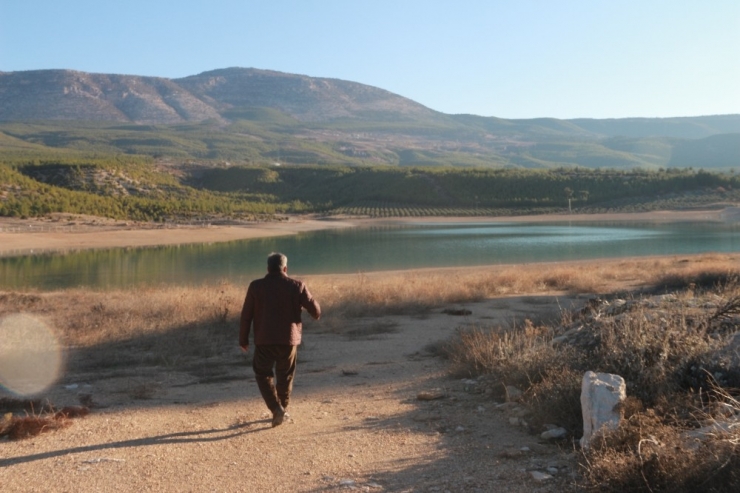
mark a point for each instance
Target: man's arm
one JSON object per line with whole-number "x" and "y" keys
{"x": 245, "y": 321}
{"x": 310, "y": 304}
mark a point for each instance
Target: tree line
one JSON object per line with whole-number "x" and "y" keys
{"x": 135, "y": 189}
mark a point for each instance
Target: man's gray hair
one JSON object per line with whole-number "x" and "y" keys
{"x": 276, "y": 261}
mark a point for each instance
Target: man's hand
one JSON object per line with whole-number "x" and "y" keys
{"x": 245, "y": 348}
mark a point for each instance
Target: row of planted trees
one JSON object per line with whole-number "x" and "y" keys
{"x": 454, "y": 187}
{"x": 376, "y": 191}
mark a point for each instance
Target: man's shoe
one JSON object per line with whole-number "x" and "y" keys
{"x": 277, "y": 416}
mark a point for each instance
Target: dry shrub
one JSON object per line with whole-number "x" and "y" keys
{"x": 556, "y": 399}
{"x": 526, "y": 358}
{"x": 516, "y": 356}
{"x": 655, "y": 343}
{"x": 650, "y": 350}
{"x": 18, "y": 428}
{"x": 660, "y": 345}
{"x": 645, "y": 455}
{"x": 31, "y": 425}
{"x": 660, "y": 352}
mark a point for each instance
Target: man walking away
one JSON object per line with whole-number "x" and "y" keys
{"x": 274, "y": 305}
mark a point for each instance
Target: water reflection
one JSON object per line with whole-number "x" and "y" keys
{"x": 366, "y": 249}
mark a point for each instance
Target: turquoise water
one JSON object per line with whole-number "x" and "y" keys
{"x": 367, "y": 249}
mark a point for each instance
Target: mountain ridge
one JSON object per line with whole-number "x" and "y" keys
{"x": 195, "y": 98}
{"x": 261, "y": 116}
{"x": 61, "y": 94}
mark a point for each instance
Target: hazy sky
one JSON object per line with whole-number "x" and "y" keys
{"x": 504, "y": 58}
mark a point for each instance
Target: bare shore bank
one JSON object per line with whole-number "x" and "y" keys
{"x": 33, "y": 235}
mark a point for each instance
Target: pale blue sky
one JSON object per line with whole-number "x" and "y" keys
{"x": 504, "y": 58}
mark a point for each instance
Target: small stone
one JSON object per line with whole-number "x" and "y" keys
{"x": 480, "y": 409}
{"x": 523, "y": 412}
{"x": 430, "y": 395}
{"x": 514, "y": 421}
{"x": 460, "y": 428}
{"x": 540, "y": 476}
{"x": 510, "y": 453}
{"x": 553, "y": 470}
{"x": 513, "y": 394}
{"x": 554, "y": 434}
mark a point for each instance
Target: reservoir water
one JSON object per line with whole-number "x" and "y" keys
{"x": 367, "y": 249}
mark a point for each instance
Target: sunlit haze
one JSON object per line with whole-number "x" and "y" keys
{"x": 30, "y": 355}
{"x": 510, "y": 59}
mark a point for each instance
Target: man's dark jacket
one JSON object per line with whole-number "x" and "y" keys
{"x": 274, "y": 304}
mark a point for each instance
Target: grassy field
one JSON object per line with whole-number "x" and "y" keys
{"x": 659, "y": 322}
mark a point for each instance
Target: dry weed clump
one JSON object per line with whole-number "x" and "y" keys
{"x": 526, "y": 358}
{"x": 38, "y": 418}
{"x": 18, "y": 428}
{"x": 520, "y": 351}
{"x": 678, "y": 353}
{"x": 647, "y": 454}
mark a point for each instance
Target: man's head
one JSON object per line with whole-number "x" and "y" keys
{"x": 277, "y": 262}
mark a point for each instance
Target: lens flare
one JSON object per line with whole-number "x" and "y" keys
{"x": 30, "y": 355}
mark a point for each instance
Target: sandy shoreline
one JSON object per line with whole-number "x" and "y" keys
{"x": 19, "y": 237}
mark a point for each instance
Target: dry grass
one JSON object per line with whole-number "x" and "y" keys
{"x": 647, "y": 454}
{"x": 31, "y": 423}
{"x": 406, "y": 292}
{"x": 671, "y": 348}
{"x": 86, "y": 317}
{"x": 170, "y": 325}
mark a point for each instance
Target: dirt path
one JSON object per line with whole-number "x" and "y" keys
{"x": 356, "y": 422}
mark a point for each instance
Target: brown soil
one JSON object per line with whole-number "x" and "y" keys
{"x": 356, "y": 420}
